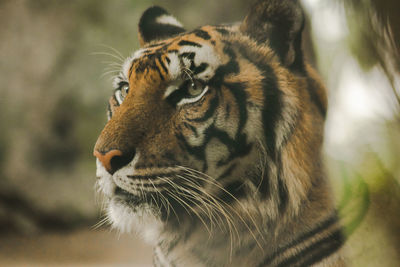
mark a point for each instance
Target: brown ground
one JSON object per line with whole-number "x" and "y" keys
{"x": 78, "y": 248}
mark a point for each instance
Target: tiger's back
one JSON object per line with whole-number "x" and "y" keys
{"x": 212, "y": 150}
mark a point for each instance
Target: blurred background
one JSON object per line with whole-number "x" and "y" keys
{"x": 57, "y": 61}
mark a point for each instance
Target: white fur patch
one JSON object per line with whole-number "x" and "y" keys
{"x": 140, "y": 220}
{"x": 123, "y": 75}
{"x": 174, "y": 66}
{"x": 206, "y": 54}
{"x": 168, "y": 19}
{"x": 127, "y": 219}
{"x": 170, "y": 90}
{"x": 105, "y": 182}
{"x": 203, "y": 54}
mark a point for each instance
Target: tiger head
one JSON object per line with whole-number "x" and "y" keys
{"x": 212, "y": 120}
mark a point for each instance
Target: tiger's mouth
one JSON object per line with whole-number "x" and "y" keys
{"x": 127, "y": 197}
{"x": 165, "y": 196}
{"x": 170, "y": 193}
{"x": 152, "y": 188}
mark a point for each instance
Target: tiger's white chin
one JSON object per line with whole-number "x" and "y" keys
{"x": 140, "y": 220}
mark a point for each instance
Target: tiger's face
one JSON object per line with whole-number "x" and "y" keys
{"x": 180, "y": 117}
{"x": 193, "y": 118}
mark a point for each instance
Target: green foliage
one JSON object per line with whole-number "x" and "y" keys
{"x": 355, "y": 201}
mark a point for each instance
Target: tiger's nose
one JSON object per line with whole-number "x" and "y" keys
{"x": 114, "y": 159}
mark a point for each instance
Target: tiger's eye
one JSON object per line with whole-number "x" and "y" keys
{"x": 195, "y": 88}
{"x": 124, "y": 90}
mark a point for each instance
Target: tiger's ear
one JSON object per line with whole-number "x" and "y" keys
{"x": 157, "y": 24}
{"x": 279, "y": 23}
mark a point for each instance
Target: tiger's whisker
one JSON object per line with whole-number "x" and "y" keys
{"x": 234, "y": 211}
{"x": 107, "y": 54}
{"x": 119, "y": 54}
{"x": 188, "y": 206}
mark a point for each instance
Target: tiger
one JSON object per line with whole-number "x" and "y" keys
{"x": 212, "y": 149}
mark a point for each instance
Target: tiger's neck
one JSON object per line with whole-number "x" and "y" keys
{"x": 316, "y": 245}
{"x": 281, "y": 226}
{"x": 312, "y": 238}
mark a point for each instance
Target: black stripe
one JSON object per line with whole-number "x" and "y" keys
{"x": 202, "y": 34}
{"x": 184, "y": 42}
{"x": 267, "y": 70}
{"x": 326, "y": 250}
{"x": 271, "y": 114}
{"x": 239, "y": 93}
{"x": 323, "y": 247}
{"x": 199, "y": 69}
{"x": 227, "y": 111}
{"x": 233, "y": 190}
{"x": 157, "y": 164}
{"x": 272, "y": 110}
{"x": 140, "y": 67}
{"x": 296, "y": 119}
{"x": 303, "y": 237}
{"x": 131, "y": 68}
{"x": 197, "y": 151}
{"x": 192, "y": 128}
{"x": 237, "y": 147}
{"x": 162, "y": 65}
{"x": 282, "y": 192}
{"x": 324, "y": 225}
{"x": 109, "y": 112}
{"x": 272, "y": 100}
{"x": 232, "y": 67}
{"x": 227, "y": 172}
{"x": 152, "y": 176}
{"x": 152, "y": 46}
{"x": 188, "y": 55}
{"x": 222, "y": 31}
{"x": 159, "y": 73}
{"x": 210, "y": 111}
{"x": 151, "y": 63}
